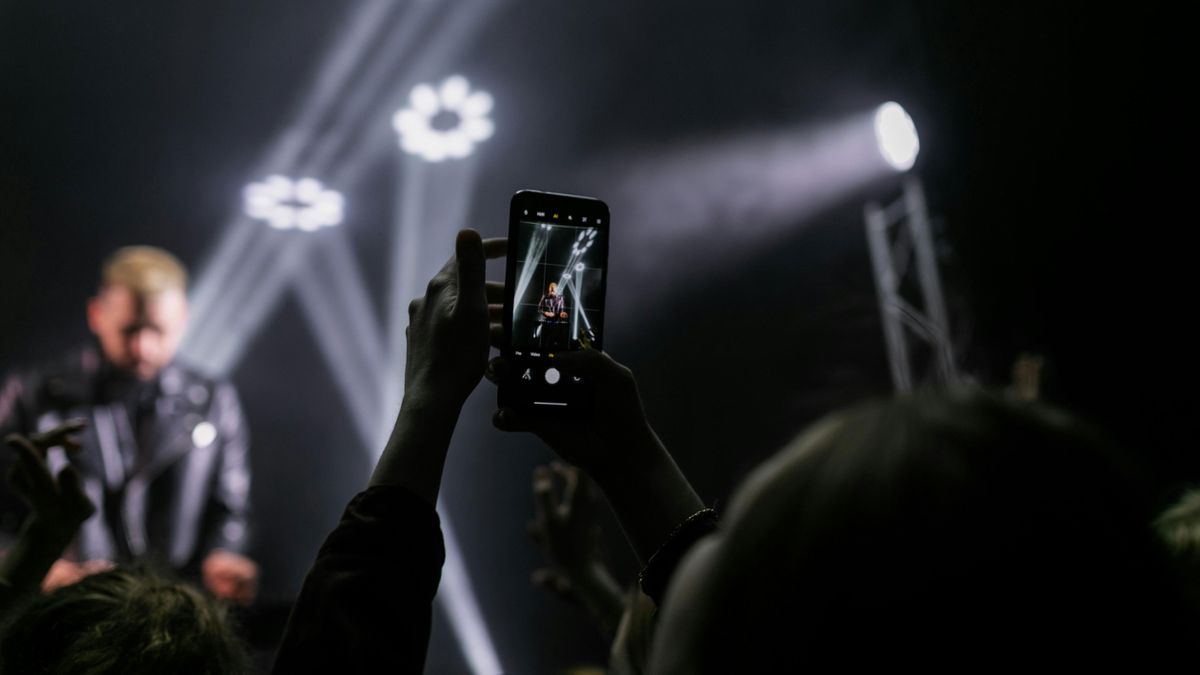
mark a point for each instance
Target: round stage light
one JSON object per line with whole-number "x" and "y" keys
{"x": 896, "y": 136}
{"x": 287, "y": 204}
{"x": 445, "y": 122}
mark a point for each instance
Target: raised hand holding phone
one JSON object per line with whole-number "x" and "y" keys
{"x": 554, "y": 300}
{"x": 449, "y": 333}
{"x": 577, "y": 399}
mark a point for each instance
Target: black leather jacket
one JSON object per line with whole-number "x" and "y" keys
{"x": 170, "y": 479}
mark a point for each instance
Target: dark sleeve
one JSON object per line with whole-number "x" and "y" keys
{"x": 229, "y": 502}
{"x": 367, "y": 603}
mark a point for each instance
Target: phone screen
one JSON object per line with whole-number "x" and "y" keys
{"x": 558, "y": 254}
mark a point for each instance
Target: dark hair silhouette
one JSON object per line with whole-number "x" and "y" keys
{"x": 122, "y": 622}
{"x": 927, "y": 528}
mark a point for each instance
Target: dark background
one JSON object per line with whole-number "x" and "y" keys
{"x": 1055, "y": 154}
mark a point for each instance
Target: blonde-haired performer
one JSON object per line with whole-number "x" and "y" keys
{"x": 164, "y": 456}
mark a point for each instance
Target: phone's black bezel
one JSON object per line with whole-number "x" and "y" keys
{"x": 550, "y": 203}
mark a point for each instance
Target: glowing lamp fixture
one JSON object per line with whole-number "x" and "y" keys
{"x": 896, "y": 136}
{"x": 446, "y": 122}
{"x": 287, "y": 204}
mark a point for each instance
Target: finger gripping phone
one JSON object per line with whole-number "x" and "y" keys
{"x": 554, "y": 299}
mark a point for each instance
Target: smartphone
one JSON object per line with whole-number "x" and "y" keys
{"x": 554, "y": 299}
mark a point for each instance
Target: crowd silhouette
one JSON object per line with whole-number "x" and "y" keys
{"x": 947, "y": 529}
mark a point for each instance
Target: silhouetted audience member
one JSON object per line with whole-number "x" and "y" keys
{"x": 122, "y": 622}
{"x": 366, "y": 604}
{"x": 109, "y": 622}
{"x": 928, "y": 529}
{"x": 951, "y": 529}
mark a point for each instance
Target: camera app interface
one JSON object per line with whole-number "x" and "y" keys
{"x": 557, "y": 302}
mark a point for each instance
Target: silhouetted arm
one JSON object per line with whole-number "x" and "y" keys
{"x": 366, "y": 605}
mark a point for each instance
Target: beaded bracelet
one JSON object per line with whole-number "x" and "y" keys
{"x": 657, "y": 573}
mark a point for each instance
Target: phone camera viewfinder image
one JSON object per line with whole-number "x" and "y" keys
{"x": 558, "y": 301}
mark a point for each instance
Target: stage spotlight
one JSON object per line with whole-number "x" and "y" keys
{"x": 578, "y": 267}
{"x": 444, "y": 123}
{"x": 896, "y": 136}
{"x": 285, "y": 204}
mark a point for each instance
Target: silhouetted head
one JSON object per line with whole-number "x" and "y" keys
{"x": 920, "y": 530}
{"x": 121, "y": 622}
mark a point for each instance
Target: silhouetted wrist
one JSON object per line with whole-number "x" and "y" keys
{"x": 431, "y": 398}
{"x": 635, "y": 449}
{"x": 415, "y": 454}
{"x": 648, "y": 492}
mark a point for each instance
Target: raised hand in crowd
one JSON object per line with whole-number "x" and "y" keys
{"x": 367, "y": 603}
{"x": 448, "y": 336}
{"x": 566, "y": 530}
{"x": 230, "y": 576}
{"x": 58, "y": 506}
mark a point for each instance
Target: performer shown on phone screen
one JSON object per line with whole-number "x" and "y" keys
{"x": 552, "y": 307}
{"x": 558, "y": 301}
